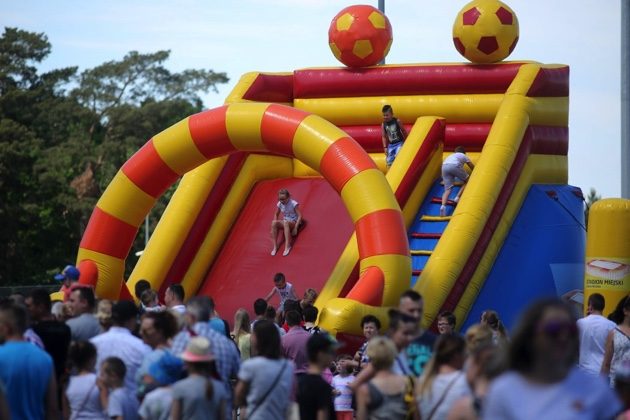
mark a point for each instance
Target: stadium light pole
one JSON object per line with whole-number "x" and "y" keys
{"x": 625, "y": 99}
{"x": 381, "y": 7}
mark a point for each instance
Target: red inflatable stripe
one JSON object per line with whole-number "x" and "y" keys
{"x": 342, "y": 160}
{"x": 209, "y": 132}
{"x": 551, "y": 83}
{"x": 271, "y": 88}
{"x": 278, "y": 127}
{"x": 374, "y": 239}
{"x": 108, "y": 235}
{"x": 404, "y": 80}
{"x": 148, "y": 171}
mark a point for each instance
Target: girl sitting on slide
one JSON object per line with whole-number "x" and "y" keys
{"x": 290, "y": 222}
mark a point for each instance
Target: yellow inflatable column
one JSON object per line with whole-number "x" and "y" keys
{"x": 608, "y": 251}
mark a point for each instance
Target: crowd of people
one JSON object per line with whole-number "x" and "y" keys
{"x": 89, "y": 359}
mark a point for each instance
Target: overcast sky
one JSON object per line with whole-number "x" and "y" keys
{"x": 237, "y": 36}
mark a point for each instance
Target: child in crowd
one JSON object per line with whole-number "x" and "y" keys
{"x": 162, "y": 373}
{"x": 289, "y": 224}
{"x": 342, "y": 392}
{"x": 149, "y": 299}
{"x": 446, "y": 323}
{"x": 453, "y": 167}
{"x": 120, "y": 404}
{"x": 200, "y": 395}
{"x": 283, "y": 288}
{"x": 393, "y": 134}
{"x": 81, "y": 399}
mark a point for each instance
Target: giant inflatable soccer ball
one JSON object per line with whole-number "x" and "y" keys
{"x": 360, "y": 36}
{"x": 485, "y": 31}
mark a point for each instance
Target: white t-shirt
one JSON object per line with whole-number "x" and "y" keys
{"x": 457, "y": 390}
{"x": 594, "y": 330}
{"x": 343, "y": 401}
{"x": 578, "y": 396}
{"x": 457, "y": 159}
{"x": 83, "y": 397}
{"x": 288, "y": 209}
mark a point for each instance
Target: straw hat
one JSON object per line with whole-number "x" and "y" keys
{"x": 198, "y": 350}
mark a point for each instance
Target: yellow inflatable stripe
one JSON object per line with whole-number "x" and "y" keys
{"x": 360, "y": 197}
{"x": 427, "y": 218}
{"x": 177, "y": 148}
{"x": 116, "y": 198}
{"x": 175, "y": 224}
{"x": 110, "y": 272}
{"x": 420, "y": 252}
{"x": 397, "y": 271}
{"x": 312, "y": 138}
{"x": 243, "y": 126}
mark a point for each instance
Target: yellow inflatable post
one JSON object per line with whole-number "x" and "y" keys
{"x": 607, "y": 268}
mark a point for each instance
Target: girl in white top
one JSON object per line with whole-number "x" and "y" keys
{"x": 618, "y": 344}
{"x": 290, "y": 222}
{"x": 81, "y": 398}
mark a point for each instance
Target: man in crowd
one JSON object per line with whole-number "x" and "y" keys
{"x": 120, "y": 342}
{"x": 593, "y": 331}
{"x": 227, "y": 358}
{"x": 26, "y": 371}
{"x": 294, "y": 342}
{"x": 83, "y": 324}
{"x": 174, "y": 298}
{"x": 420, "y": 349}
{"x": 54, "y": 334}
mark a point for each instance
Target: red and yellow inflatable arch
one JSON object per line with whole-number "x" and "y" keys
{"x": 251, "y": 127}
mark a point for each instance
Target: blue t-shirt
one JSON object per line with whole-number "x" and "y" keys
{"x": 25, "y": 370}
{"x": 419, "y": 352}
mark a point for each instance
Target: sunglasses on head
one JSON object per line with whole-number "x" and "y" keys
{"x": 555, "y": 328}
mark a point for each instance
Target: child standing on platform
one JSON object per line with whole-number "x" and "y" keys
{"x": 283, "y": 288}
{"x": 393, "y": 134}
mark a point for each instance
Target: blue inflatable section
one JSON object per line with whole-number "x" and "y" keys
{"x": 542, "y": 256}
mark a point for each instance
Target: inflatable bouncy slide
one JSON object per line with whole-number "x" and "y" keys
{"x": 516, "y": 234}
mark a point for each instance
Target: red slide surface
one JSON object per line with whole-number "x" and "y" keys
{"x": 244, "y": 269}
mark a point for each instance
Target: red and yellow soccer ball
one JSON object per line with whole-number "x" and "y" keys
{"x": 360, "y": 36}
{"x": 485, "y": 31}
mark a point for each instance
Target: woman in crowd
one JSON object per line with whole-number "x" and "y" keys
{"x": 483, "y": 365}
{"x": 201, "y": 395}
{"x": 478, "y": 336}
{"x": 265, "y": 381}
{"x": 241, "y": 333}
{"x": 443, "y": 381}
{"x": 543, "y": 380}
{"x": 618, "y": 343}
{"x": 81, "y": 399}
{"x": 156, "y": 330}
{"x": 386, "y": 396}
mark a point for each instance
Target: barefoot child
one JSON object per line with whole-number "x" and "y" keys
{"x": 120, "y": 404}
{"x": 393, "y": 134}
{"x": 453, "y": 167}
{"x": 290, "y": 223}
{"x": 283, "y": 288}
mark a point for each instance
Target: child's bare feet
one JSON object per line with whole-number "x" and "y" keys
{"x": 442, "y": 211}
{"x": 286, "y": 251}
{"x": 274, "y": 251}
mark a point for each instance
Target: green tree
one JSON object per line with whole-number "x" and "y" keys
{"x": 64, "y": 135}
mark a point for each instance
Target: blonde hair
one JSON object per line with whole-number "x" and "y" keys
{"x": 241, "y": 324}
{"x": 382, "y": 352}
{"x": 477, "y": 336}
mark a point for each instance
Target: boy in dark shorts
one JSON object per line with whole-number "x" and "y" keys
{"x": 393, "y": 134}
